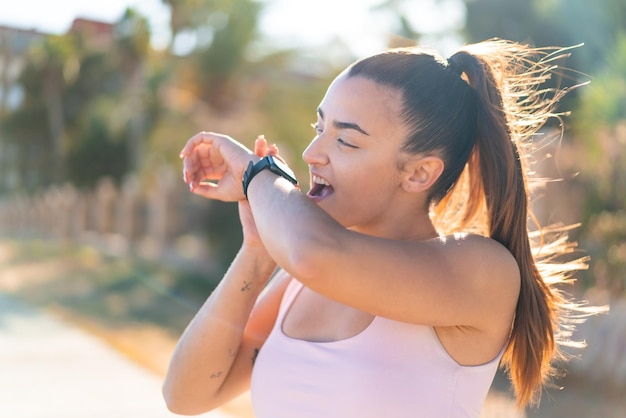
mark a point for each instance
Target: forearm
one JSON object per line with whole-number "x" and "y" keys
{"x": 207, "y": 349}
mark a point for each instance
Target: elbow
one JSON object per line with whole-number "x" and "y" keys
{"x": 309, "y": 261}
{"x": 174, "y": 403}
{"x": 302, "y": 267}
{"x": 180, "y": 404}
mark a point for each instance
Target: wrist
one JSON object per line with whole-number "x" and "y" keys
{"x": 267, "y": 163}
{"x": 258, "y": 256}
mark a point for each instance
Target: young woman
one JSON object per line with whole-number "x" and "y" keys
{"x": 406, "y": 274}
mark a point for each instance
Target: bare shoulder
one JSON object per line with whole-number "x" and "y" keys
{"x": 489, "y": 278}
{"x": 478, "y": 252}
{"x": 486, "y": 263}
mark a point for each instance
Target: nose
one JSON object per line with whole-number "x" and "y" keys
{"x": 314, "y": 154}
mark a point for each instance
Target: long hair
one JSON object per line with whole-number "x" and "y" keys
{"x": 479, "y": 111}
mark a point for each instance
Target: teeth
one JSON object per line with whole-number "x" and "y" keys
{"x": 319, "y": 180}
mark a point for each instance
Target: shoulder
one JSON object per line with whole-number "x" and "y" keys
{"x": 480, "y": 259}
{"x": 477, "y": 246}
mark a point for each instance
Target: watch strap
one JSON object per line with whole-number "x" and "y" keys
{"x": 267, "y": 162}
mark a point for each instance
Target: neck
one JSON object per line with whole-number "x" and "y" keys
{"x": 418, "y": 228}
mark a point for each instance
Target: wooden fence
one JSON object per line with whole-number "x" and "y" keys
{"x": 153, "y": 221}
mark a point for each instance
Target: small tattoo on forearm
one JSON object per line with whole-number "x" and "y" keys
{"x": 231, "y": 352}
{"x": 254, "y": 356}
{"x": 216, "y": 375}
{"x": 246, "y": 285}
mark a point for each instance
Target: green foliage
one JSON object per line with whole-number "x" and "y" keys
{"x": 511, "y": 19}
{"x": 96, "y": 78}
{"x": 29, "y": 141}
{"x": 605, "y": 242}
{"x": 600, "y": 127}
{"x": 101, "y": 151}
{"x": 221, "y": 63}
{"x": 92, "y": 105}
{"x": 552, "y": 23}
{"x": 603, "y": 103}
{"x": 223, "y": 232}
{"x": 133, "y": 35}
{"x": 290, "y": 108}
{"x": 191, "y": 14}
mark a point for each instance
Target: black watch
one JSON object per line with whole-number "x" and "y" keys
{"x": 273, "y": 164}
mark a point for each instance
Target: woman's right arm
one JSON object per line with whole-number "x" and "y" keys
{"x": 213, "y": 360}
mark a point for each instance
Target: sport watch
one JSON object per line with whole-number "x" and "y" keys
{"x": 268, "y": 162}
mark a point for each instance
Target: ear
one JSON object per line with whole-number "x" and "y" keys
{"x": 419, "y": 173}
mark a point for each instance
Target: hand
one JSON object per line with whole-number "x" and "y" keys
{"x": 213, "y": 166}
{"x": 250, "y": 234}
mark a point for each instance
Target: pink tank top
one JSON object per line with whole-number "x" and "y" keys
{"x": 391, "y": 369}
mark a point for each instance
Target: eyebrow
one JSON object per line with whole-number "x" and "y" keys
{"x": 344, "y": 125}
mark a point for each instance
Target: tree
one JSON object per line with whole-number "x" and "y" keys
{"x": 600, "y": 128}
{"x": 50, "y": 66}
{"x": 133, "y": 42}
{"x": 189, "y": 15}
{"x": 221, "y": 64}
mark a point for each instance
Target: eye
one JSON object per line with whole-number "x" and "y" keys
{"x": 346, "y": 144}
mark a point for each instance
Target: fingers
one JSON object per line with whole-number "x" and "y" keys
{"x": 213, "y": 164}
{"x": 260, "y": 146}
{"x": 200, "y": 138}
{"x": 272, "y": 150}
{"x": 204, "y": 189}
{"x": 198, "y": 157}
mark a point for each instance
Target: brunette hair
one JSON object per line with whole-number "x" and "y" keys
{"x": 478, "y": 111}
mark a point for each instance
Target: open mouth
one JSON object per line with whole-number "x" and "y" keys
{"x": 320, "y": 188}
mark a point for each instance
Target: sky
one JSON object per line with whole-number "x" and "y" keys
{"x": 284, "y": 22}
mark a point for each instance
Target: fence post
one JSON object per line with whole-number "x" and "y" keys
{"x": 159, "y": 213}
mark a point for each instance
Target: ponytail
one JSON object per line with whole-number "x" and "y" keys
{"x": 495, "y": 178}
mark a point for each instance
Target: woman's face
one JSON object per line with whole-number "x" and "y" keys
{"x": 355, "y": 158}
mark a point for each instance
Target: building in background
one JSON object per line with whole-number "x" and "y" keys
{"x": 98, "y": 35}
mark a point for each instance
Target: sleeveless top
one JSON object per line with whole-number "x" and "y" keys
{"x": 391, "y": 369}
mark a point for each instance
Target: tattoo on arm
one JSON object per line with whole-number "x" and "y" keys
{"x": 232, "y": 353}
{"x": 246, "y": 286}
{"x": 216, "y": 375}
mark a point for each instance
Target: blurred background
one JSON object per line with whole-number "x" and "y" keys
{"x": 96, "y": 100}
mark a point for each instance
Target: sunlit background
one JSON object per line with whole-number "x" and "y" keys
{"x": 104, "y": 256}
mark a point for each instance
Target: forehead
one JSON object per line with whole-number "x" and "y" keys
{"x": 358, "y": 99}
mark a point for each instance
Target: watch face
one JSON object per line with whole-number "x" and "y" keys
{"x": 283, "y": 169}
